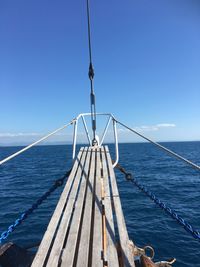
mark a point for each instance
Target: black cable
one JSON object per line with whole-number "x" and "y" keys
{"x": 89, "y": 32}
{"x": 91, "y": 76}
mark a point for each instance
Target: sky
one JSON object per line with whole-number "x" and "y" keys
{"x": 146, "y": 56}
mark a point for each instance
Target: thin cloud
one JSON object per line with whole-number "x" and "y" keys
{"x": 34, "y": 134}
{"x": 166, "y": 125}
{"x": 149, "y": 128}
{"x": 19, "y": 134}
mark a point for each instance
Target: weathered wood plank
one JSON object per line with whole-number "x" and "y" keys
{"x": 84, "y": 245}
{"x": 69, "y": 251}
{"x": 110, "y": 250}
{"x": 63, "y": 227}
{"x": 127, "y": 255}
{"x": 82, "y": 231}
{"x": 49, "y": 234}
{"x": 97, "y": 248}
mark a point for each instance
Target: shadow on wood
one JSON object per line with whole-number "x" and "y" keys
{"x": 12, "y": 255}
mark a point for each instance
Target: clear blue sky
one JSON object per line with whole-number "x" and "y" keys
{"x": 146, "y": 57}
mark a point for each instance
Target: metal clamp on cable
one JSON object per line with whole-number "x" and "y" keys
{"x": 58, "y": 182}
{"x": 128, "y": 175}
{"x": 91, "y": 72}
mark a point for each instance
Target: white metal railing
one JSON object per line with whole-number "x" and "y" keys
{"x": 75, "y": 123}
{"x": 82, "y": 116}
{"x": 110, "y": 117}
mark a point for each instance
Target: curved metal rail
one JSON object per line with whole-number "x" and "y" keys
{"x": 82, "y": 116}
{"x": 110, "y": 117}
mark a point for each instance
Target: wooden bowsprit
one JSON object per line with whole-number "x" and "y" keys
{"x": 88, "y": 218}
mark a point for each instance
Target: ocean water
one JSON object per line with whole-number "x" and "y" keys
{"x": 28, "y": 176}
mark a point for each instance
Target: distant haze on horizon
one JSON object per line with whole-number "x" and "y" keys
{"x": 147, "y": 68}
{"x": 124, "y": 136}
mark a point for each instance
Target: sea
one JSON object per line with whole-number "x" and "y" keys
{"x": 25, "y": 178}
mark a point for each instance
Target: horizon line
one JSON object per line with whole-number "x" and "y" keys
{"x": 67, "y": 143}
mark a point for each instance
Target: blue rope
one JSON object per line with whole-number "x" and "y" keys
{"x": 188, "y": 227}
{"x": 29, "y": 211}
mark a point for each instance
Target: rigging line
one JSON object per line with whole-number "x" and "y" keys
{"x": 195, "y": 166}
{"x": 33, "y": 144}
{"x": 188, "y": 227}
{"x": 91, "y": 76}
{"x": 59, "y": 182}
{"x": 89, "y": 31}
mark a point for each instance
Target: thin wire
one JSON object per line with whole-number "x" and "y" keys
{"x": 33, "y": 144}
{"x": 89, "y": 31}
{"x": 195, "y": 166}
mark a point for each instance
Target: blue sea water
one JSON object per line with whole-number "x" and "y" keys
{"x": 28, "y": 176}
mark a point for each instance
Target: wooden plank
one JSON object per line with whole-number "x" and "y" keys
{"x": 63, "y": 227}
{"x": 110, "y": 250}
{"x": 97, "y": 247}
{"x": 84, "y": 244}
{"x": 127, "y": 255}
{"x": 69, "y": 251}
{"x": 49, "y": 234}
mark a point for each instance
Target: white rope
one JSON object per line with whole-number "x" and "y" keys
{"x": 35, "y": 143}
{"x": 162, "y": 147}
